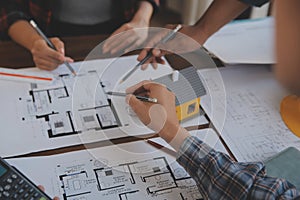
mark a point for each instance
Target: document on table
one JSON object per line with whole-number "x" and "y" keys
{"x": 209, "y": 136}
{"x": 244, "y": 41}
{"x": 72, "y": 110}
{"x": 130, "y": 171}
{"x": 253, "y": 128}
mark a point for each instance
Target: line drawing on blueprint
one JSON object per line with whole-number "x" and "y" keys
{"x": 146, "y": 179}
{"x": 260, "y": 133}
{"x": 53, "y": 105}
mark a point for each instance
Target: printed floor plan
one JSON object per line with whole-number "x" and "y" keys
{"x": 147, "y": 179}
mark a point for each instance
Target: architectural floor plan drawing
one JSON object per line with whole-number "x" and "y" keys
{"x": 145, "y": 179}
{"x": 253, "y": 127}
{"x": 128, "y": 171}
{"x": 55, "y": 106}
{"x": 72, "y": 110}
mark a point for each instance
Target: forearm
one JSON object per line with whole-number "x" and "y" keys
{"x": 175, "y": 140}
{"x": 23, "y": 33}
{"x": 287, "y": 42}
{"x": 144, "y": 13}
{"x": 219, "y": 177}
{"x": 219, "y": 13}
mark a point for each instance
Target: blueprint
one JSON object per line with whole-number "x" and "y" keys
{"x": 127, "y": 171}
{"x": 253, "y": 128}
{"x": 72, "y": 110}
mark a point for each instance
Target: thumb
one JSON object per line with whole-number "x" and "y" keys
{"x": 59, "y": 45}
{"x": 136, "y": 105}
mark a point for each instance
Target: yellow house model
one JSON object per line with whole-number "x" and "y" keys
{"x": 188, "y": 88}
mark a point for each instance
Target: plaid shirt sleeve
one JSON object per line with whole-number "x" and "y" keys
{"x": 219, "y": 177}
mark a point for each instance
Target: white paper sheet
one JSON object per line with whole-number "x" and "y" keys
{"x": 25, "y": 76}
{"x": 244, "y": 41}
{"x": 253, "y": 130}
{"x": 128, "y": 171}
{"x": 209, "y": 136}
{"x": 72, "y": 110}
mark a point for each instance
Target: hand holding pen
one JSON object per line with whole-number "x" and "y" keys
{"x": 161, "y": 116}
{"x": 161, "y": 40}
{"x": 184, "y": 42}
{"x": 45, "y": 56}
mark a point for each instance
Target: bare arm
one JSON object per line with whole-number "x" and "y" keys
{"x": 43, "y": 56}
{"x": 23, "y": 33}
{"x": 288, "y": 44}
{"x": 143, "y": 13}
{"x": 130, "y": 37}
{"x": 219, "y": 13}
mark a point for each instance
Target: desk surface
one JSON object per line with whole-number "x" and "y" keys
{"x": 15, "y": 56}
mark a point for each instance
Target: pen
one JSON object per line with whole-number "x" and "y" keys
{"x": 142, "y": 98}
{"x": 50, "y": 44}
{"x": 26, "y": 76}
{"x": 149, "y": 54}
{"x": 159, "y": 146}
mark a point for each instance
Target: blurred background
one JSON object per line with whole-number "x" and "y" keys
{"x": 189, "y": 11}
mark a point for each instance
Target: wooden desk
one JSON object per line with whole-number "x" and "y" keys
{"x": 15, "y": 56}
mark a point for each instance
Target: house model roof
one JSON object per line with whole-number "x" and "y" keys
{"x": 188, "y": 86}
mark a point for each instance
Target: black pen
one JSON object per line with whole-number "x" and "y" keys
{"x": 149, "y": 54}
{"x": 142, "y": 98}
{"x": 50, "y": 44}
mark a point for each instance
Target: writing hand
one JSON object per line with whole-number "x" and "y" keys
{"x": 183, "y": 42}
{"x": 127, "y": 38}
{"x": 46, "y": 58}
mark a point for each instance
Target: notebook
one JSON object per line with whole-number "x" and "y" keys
{"x": 285, "y": 164}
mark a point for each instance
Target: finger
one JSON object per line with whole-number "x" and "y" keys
{"x": 121, "y": 29}
{"x": 123, "y": 44}
{"x": 160, "y": 60}
{"x": 114, "y": 40}
{"x": 68, "y": 59}
{"x": 47, "y": 60}
{"x": 46, "y": 51}
{"x": 133, "y": 88}
{"x": 149, "y": 61}
{"x": 136, "y": 105}
{"x": 46, "y": 64}
{"x": 119, "y": 38}
{"x": 59, "y": 45}
{"x": 154, "y": 65}
{"x": 41, "y": 187}
{"x": 143, "y": 54}
{"x": 148, "y": 85}
{"x": 134, "y": 46}
{"x": 44, "y": 67}
{"x": 156, "y": 38}
{"x": 55, "y": 198}
{"x": 156, "y": 52}
{"x": 52, "y": 54}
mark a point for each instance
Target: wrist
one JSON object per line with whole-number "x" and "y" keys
{"x": 201, "y": 34}
{"x": 143, "y": 14}
{"x": 23, "y": 33}
{"x": 34, "y": 39}
{"x": 174, "y": 134}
